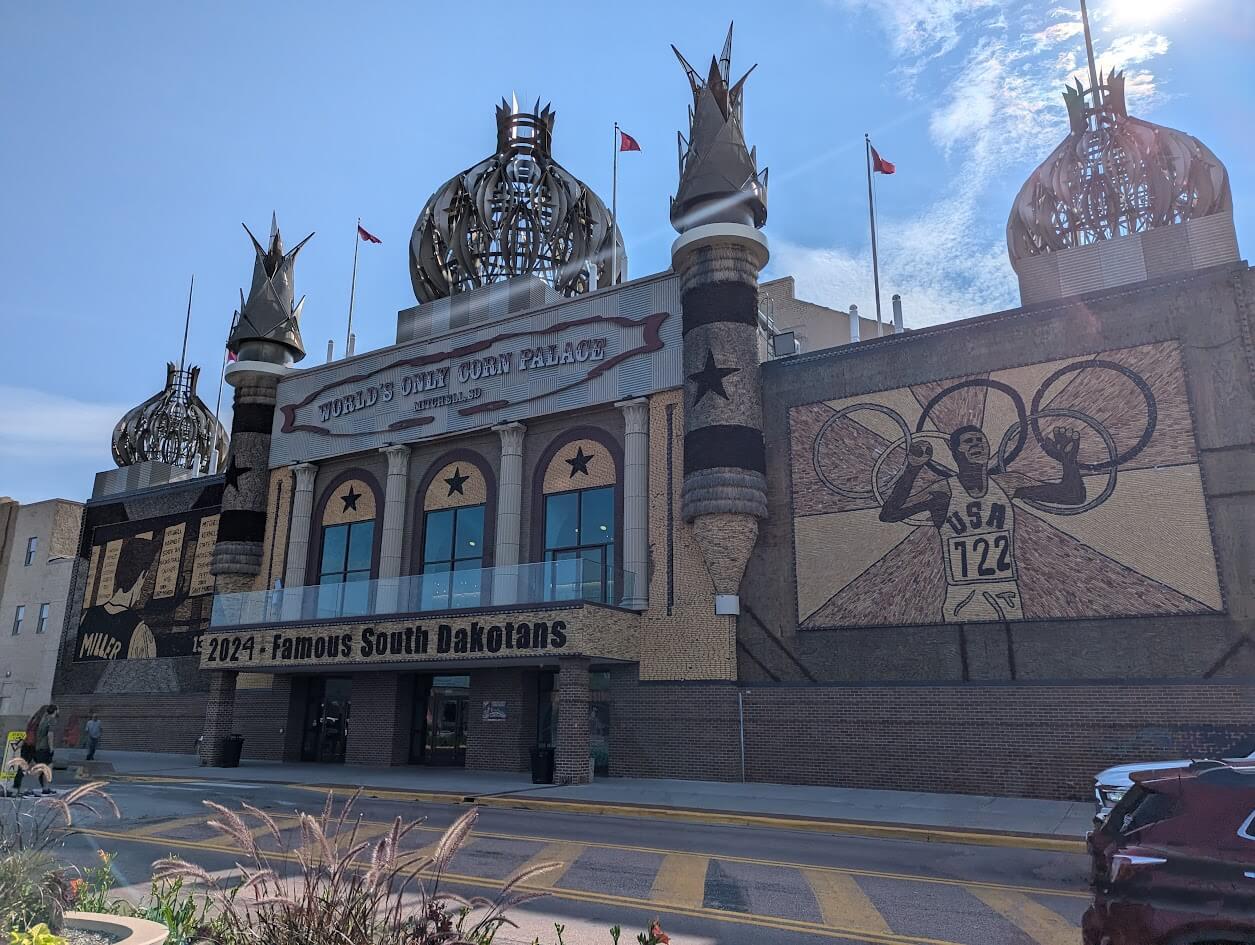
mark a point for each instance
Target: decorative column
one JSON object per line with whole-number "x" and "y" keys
{"x": 387, "y": 595}
{"x": 720, "y": 204}
{"x": 635, "y": 502}
{"x": 219, "y": 718}
{"x": 297, "y": 558}
{"x": 266, "y": 340}
{"x": 572, "y": 762}
{"x": 505, "y": 588}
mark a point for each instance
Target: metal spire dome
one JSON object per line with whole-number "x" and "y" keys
{"x": 1113, "y": 175}
{"x": 518, "y": 212}
{"x": 173, "y": 426}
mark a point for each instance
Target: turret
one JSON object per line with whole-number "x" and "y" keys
{"x": 719, "y": 206}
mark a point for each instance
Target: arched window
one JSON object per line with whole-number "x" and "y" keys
{"x": 579, "y": 527}
{"x": 457, "y": 527}
{"x": 348, "y": 555}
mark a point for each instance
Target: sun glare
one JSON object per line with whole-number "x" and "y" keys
{"x": 1141, "y": 11}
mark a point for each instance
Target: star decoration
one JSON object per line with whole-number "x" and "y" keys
{"x": 579, "y": 462}
{"x": 350, "y": 499}
{"x": 710, "y": 378}
{"x": 457, "y": 481}
{"x": 233, "y": 473}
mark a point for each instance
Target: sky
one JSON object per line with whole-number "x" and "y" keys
{"x": 135, "y": 137}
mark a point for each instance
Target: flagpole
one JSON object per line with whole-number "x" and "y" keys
{"x": 222, "y": 375}
{"x": 357, "y": 238}
{"x": 614, "y": 211}
{"x": 871, "y": 213}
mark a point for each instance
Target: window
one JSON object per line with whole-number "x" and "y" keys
{"x": 579, "y": 544}
{"x": 347, "y": 553}
{"x": 31, "y": 545}
{"x": 42, "y": 625}
{"x": 453, "y": 554}
{"x": 18, "y": 616}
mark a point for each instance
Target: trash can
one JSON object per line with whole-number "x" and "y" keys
{"x": 232, "y": 748}
{"x": 542, "y": 765}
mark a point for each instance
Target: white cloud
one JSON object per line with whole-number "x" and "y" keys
{"x": 51, "y": 445}
{"x": 992, "y": 72}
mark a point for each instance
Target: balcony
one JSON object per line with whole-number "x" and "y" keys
{"x": 474, "y": 588}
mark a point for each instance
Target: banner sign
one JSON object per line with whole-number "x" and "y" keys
{"x": 563, "y": 631}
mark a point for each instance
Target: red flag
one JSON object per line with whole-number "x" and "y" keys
{"x": 230, "y": 356}
{"x": 371, "y": 238}
{"x": 880, "y": 165}
{"x": 627, "y": 142}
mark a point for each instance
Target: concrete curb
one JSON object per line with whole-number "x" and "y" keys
{"x": 918, "y": 833}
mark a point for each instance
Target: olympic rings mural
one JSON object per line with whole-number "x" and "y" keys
{"x": 1065, "y": 489}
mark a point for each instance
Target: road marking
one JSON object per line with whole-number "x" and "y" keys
{"x": 681, "y": 880}
{"x": 150, "y": 830}
{"x": 842, "y": 827}
{"x": 1042, "y": 925}
{"x": 760, "y": 921}
{"x": 843, "y": 902}
{"x": 754, "y": 861}
{"x": 559, "y": 851}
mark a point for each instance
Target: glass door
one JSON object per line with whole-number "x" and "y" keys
{"x": 448, "y": 707}
{"x": 326, "y": 731}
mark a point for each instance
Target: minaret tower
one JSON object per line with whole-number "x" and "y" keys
{"x": 719, "y": 208}
{"x": 266, "y": 341}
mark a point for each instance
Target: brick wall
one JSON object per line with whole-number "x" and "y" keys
{"x": 661, "y": 730}
{"x": 503, "y": 745}
{"x": 1025, "y": 740}
{"x": 138, "y": 722}
{"x": 379, "y": 720}
{"x": 270, "y": 714}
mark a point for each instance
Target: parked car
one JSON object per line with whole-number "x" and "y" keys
{"x": 1112, "y": 784}
{"x": 1174, "y": 863}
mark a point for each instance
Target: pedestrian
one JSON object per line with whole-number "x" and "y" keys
{"x": 27, "y": 751}
{"x": 45, "y": 743}
{"x": 93, "y": 736}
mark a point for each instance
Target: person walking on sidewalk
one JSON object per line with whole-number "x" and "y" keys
{"x": 93, "y": 730}
{"x": 27, "y": 751}
{"x": 45, "y": 743}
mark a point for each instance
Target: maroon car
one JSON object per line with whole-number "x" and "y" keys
{"x": 1174, "y": 862}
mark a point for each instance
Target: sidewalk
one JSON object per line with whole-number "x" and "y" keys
{"x": 713, "y": 801}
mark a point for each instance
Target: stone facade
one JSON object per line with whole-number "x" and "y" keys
{"x": 40, "y": 587}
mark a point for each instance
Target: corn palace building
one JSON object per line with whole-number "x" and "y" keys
{"x": 629, "y": 520}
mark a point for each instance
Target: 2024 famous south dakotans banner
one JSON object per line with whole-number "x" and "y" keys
{"x": 149, "y": 589}
{"x": 1066, "y": 489}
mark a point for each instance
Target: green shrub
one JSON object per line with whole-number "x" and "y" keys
{"x": 38, "y": 935}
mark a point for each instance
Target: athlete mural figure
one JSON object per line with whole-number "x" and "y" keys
{"x": 974, "y": 515}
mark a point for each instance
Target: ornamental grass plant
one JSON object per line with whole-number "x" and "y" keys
{"x": 333, "y": 887}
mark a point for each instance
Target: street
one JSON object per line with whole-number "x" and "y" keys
{"x": 706, "y": 883}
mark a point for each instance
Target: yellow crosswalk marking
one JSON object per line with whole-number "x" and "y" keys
{"x": 843, "y": 903}
{"x": 153, "y": 830}
{"x": 558, "y": 852}
{"x": 681, "y": 881}
{"x": 1042, "y": 925}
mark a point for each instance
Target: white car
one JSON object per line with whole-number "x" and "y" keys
{"x": 1110, "y": 785}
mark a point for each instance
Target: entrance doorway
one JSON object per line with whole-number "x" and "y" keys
{"x": 326, "y": 732}
{"x": 441, "y": 710}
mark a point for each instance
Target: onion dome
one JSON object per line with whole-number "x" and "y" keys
{"x": 1113, "y": 176}
{"x": 518, "y": 212}
{"x": 173, "y": 426}
{"x": 719, "y": 177}
{"x": 267, "y": 326}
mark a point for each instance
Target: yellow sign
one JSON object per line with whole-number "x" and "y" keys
{"x": 12, "y": 748}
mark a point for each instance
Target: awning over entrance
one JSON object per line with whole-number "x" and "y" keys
{"x": 574, "y": 628}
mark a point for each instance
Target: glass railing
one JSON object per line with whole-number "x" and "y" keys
{"x": 506, "y": 586}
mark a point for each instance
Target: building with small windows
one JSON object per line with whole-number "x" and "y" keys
{"x": 38, "y": 542}
{"x": 627, "y": 519}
